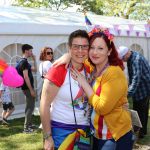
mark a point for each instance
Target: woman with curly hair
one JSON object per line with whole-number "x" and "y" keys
{"x": 46, "y": 58}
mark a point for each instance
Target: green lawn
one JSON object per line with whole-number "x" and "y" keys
{"x": 12, "y": 137}
{"x": 146, "y": 139}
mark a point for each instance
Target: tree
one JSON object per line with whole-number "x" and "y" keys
{"x": 135, "y": 9}
{"x": 94, "y": 6}
{"x": 121, "y": 8}
{"x": 129, "y": 9}
{"x": 90, "y": 5}
{"x": 52, "y": 4}
{"x": 141, "y": 11}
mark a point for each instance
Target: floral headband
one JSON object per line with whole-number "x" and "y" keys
{"x": 105, "y": 31}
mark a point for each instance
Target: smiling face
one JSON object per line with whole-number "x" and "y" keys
{"x": 79, "y": 50}
{"x": 99, "y": 51}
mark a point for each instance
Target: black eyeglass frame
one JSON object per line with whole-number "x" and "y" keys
{"x": 77, "y": 47}
{"x": 48, "y": 53}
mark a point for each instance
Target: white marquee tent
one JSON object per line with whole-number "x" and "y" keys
{"x": 51, "y": 28}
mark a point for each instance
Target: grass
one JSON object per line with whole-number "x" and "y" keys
{"x": 146, "y": 139}
{"x": 13, "y": 138}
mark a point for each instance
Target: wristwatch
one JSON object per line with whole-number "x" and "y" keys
{"x": 46, "y": 135}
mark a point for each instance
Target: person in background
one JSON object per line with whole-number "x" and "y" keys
{"x": 28, "y": 87}
{"x": 8, "y": 107}
{"x": 139, "y": 84}
{"x": 46, "y": 58}
{"x": 56, "y": 105}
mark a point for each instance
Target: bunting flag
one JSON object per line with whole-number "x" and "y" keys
{"x": 128, "y": 32}
{"x": 145, "y": 34}
{"x": 116, "y": 27}
{"x": 137, "y": 33}
{"x": 131, "y": 26}
{"x": 147, "y": 27}
{"x": 119, "y": 32}
{"x": 87, "y": 21}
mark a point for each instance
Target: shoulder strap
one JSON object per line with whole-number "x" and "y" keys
{"x": 18, "y": 66}
{"x": 21, "y": 59}
{"x": 42, "y": 71}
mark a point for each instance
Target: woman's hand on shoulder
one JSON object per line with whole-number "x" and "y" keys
{"x": 64, "y": 59}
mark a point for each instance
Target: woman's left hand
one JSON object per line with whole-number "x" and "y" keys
{"x": 78, "y": 76}
{"x": 82, "y": 81}
{"x": 64, "y": 59}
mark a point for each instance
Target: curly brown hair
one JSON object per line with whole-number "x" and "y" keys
{"x": 43, "y": 53}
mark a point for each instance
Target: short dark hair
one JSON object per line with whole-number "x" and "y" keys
{"x": 26, "y": 47}
{"x": 77, "y": 33}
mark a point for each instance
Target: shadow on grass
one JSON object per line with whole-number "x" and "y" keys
{"x": 15, "y": 126}
{"x": 146, "y": 139}
{"x": 12, "y": 136}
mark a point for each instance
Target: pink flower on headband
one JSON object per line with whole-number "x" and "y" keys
{"x": 101, "y": 30}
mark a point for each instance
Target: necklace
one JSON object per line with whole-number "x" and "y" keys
{"x": 93, "y": 77}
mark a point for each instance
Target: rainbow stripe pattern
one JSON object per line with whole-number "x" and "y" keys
{"x": 3, "y": 66}
{"x": 69, "y": 142}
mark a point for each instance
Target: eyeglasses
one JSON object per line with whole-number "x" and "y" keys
{"x": 49, "y": 53}
{"x": 78, "y": 47}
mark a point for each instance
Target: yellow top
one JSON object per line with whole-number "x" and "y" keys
{"x": 110, "y": 102}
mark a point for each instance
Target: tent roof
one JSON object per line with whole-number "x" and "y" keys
{"x": 20, "y": 20}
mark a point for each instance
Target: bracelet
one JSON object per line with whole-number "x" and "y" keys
{"x": 47, "y": 135}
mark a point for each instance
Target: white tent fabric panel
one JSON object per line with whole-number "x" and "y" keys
{"x": 41, "y": 28}
{"x": 129, "y": 41}
{"x": 29, "y": 29}
{"x": 38, "y": 41}
{"x": 37, "y": 21}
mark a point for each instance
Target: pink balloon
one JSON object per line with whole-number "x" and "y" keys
{"x": 11, "y": 77}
